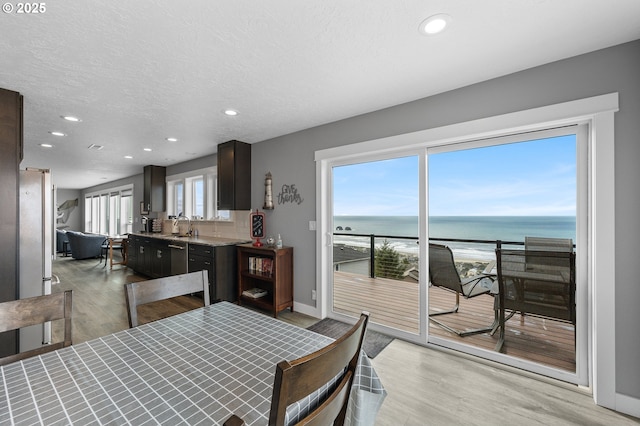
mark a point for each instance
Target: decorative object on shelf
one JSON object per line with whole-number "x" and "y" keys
{"x": 271, "y": 242}
{"x": 279, "y": 242}
{"x": 289, "y": 194}
{"x": 257, "y": 227}
{"x": 268, "y": 193}
{"x": 156, "y": 225}
{"x": 254, "y": 293}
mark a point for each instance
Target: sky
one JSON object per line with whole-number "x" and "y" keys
{"x": 533, "y": 178}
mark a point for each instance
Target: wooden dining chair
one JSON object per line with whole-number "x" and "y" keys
{"x": 296, "y": 379}
{"x": 21, "y": 313}
{"x": 140, "y": 293}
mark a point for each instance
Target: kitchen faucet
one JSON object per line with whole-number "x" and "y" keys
{"x": 176, "y": 225}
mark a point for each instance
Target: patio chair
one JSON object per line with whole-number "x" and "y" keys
{"x": 17, "y": 314}
{"x": 296, "y": 379}
{"x": 536, "y": 282}
{"x": 443, "y": 273}
{"x": 140, "y": 293}
{"x": 544, "y": 244}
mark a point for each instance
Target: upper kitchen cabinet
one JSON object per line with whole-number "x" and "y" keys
{"x": 234, "y": 176}
{"x": 155, "y": 187}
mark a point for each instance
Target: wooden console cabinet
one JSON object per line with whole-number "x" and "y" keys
{"x": 267, "y": 269}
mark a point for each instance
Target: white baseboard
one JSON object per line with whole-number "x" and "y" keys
{"x": 628, "y": 405}
{"x": 306, "y": 309}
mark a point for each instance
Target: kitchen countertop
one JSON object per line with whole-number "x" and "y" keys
{"x": 202, "y": 240}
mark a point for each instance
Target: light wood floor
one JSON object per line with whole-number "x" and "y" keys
{"x": 425, "y": 386}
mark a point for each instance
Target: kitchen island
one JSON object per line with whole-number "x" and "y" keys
{"x": 158, "y": 255}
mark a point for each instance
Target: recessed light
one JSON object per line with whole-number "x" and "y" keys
{"x": 58, "y": 134}
{"x": 71, "y": 118}
{"x": 46, "y": 145}
{"x": 434, "y": 24}
{"x": 231, "y": 112}
{"x": 172, "y": 139}
{"x": 147, "y": 149}
{"x": 128, "y": 157}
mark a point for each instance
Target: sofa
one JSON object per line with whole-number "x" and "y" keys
{"x": 85, "y": 246}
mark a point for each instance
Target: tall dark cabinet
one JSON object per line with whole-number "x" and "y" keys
{"x": 234, "y": 176}
{"x": 10, "y": 158}
{"x": 155, "y": 186}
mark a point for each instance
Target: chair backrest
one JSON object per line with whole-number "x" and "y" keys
{"x": 442, "y": 268}
{"x": 21, "y": 313}
{"x": 548, "y": 244}
{"x": 296, "y": 379}
{"x": 559, "y": 245}
{"x": 140, "y": 293}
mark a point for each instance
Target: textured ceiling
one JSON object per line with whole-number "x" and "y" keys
{"x": 137, "y": 72}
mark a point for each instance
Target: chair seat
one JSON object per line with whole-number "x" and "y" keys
{"x": 476, "y": 286}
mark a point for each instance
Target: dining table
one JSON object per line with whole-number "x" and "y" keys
{"x": 195, "y": 368}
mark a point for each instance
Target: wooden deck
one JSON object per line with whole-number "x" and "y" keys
{"x": 395, "y": 304}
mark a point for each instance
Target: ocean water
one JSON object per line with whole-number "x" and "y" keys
{"x": 505, "y": 228}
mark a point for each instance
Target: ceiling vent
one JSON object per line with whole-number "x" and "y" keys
{"x": 95, "y": 147}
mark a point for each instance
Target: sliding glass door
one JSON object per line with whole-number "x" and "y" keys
{"x": 471, "y": 198}
{"x": 500, "y": 194}
{"x": 375, "y": 232}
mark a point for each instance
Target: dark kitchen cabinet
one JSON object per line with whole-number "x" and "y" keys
{"x": 10, "y": 157}
{"x": 155, "y": 187}
{"x": 145, "y": 253}
{"x": 132, "y": 252}
{"x": 234, "y": 176}
{"x": 219, "y": 262}
{"x": 160, "y": 259}
{"x": 149, "y": 256}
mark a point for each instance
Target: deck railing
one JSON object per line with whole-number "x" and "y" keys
{"x": 387, "y": 268}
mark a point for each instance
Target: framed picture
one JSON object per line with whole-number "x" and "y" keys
{"x": 143, "y": 211}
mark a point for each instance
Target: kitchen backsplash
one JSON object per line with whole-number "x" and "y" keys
{"x": 237, "y": 227}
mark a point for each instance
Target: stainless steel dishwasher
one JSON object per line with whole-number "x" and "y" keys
{"x": 178, "y": 257}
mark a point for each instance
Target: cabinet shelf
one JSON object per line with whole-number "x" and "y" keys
{"x": 257, "y": 275}
{"x": 261, "y": 302}
{"x": 278, "y": 283}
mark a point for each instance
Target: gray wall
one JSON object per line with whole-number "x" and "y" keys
{"x": 290, "y": 159}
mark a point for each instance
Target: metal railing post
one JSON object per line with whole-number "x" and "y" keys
{"x": 372, "y": 260}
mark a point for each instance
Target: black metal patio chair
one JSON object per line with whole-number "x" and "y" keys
{"x": 443, "y": 273}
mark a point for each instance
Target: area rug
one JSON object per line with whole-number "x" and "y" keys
{"x": 374, "y": 342}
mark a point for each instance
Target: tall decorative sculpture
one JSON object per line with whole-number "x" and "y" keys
{"x": 268, "y": 192}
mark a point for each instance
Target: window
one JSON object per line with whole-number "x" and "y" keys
{"x": 109, "y": 211}
{"x": 193, "y": 194}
